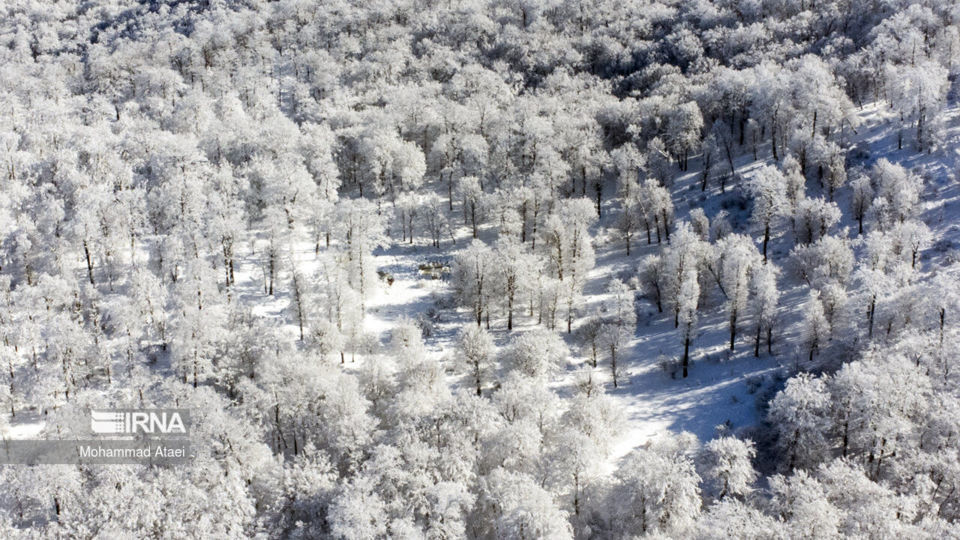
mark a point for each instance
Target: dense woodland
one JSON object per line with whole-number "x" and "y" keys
{"x": 197, "y": 198}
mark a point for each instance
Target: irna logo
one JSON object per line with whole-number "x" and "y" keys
{"x": 131, "y": 422}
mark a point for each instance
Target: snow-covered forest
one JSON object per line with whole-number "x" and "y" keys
{"x": 486, "y": 268}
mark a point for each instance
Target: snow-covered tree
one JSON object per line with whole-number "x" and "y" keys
{"x": 619, "y": 324}
{"x": 681, "y": 283}
{"x": 766, "y": 297}
{"x": 687, "y": 303}
{"x": 798, "y": 414}
{"x": 434, "y": 218}
{"x": 829, "y": 259}
{"x": 473, "y": 278}
{"x": 478, "y": 351}
{"x": 918, "y": 90}
{"x": 861, "y": 199}
{"x": 515, "y": 274}
{"x": 684, "y": 126}
{"x": 738, "y": 260}
{"x": 767, "y": 187}
{"x": 657, "y": 491}
{"x": 728, "y": 467}
{"x": 814, "y": 219}
{"x": 166, "y": 168}
{"x": 801, "y": 502}
{"x": 536, "y": 353}
{"x": 568, "y": 249}
{"x": 361, "y": 231}
{"x": 471, "y": 194}
{"x": 816, "y": 325}
{"x": 514, "y": 505}
{"x": 899, "y": 191}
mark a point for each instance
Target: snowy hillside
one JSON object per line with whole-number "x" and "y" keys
{"x": 481, "y": 269}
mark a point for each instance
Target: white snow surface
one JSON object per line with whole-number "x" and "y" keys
{"x": 717, "y": 392}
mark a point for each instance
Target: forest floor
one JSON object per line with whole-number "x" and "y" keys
{"x": 724, "y": 389}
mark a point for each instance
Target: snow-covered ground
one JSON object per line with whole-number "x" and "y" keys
{"x": 722, "y": 389}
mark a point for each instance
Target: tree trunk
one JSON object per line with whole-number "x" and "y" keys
{"x": 756, "y": 344}
{"x": 943, "y": 315}
{"x": 86, "y": 252}
{"x": 733, "y": 329}
{"x": 773, "y": 138}
{"x": 476, "y": 377}
{"x": 846, "y": 436}
{"x": 599, "y": 187}
{"x": 766, "y": 240}
{"x": 613, "y": 364}
{"x": 473, "y": 217}
{"x": 523, "y": 223}
{"x": 449, "y": 192}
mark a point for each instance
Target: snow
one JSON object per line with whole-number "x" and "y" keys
{"x": 724, "y": 390}
{"x": 24, "y": 426}
{"x": 21, "y": 430}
